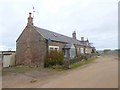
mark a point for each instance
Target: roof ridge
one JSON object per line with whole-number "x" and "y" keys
{"x": 58, "y": 37}
{"x": 56, "y": 33}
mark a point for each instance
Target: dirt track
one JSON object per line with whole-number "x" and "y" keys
{"x": 103, "y": 73}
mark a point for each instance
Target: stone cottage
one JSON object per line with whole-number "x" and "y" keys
{"x": 34, "y": 43}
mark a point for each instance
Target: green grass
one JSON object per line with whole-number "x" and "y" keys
{"x": 85, "y": 62}
{"x": 58, "y": 68}
{"x": 33, "y": 81}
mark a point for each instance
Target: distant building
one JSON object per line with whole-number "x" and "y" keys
{"x": 34, "y": 43}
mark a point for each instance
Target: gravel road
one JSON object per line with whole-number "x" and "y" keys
{"x": 102, "y": 73}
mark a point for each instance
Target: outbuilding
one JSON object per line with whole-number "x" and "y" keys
{"x": 8, "y": 58}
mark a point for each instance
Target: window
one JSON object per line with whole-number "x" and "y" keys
{"x": 51, "y": 48}
{"x": 86, "y": 50}
{"x": 54, "y": 48}
{"x": 82, "y": 50}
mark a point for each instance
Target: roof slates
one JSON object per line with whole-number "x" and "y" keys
{"x": 56, "y": 37}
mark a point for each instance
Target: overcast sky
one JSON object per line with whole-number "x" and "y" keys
{"x": 96, "y": 20}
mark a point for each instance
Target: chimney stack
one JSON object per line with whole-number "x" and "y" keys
{"x": 30, "y": 19}
{"x": 87, "y": 40}
{"x": 82, "y": 38}
{"x": 74, "y": 35}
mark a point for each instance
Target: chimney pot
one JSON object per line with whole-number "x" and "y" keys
{"x": 30, "y": 19}
{"x": 30, "y": 14}
{"x": 74, "y": 35}
{"x": 82, "y": 38}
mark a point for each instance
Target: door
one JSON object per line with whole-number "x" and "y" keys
{"x": 67, "y": 53}
{"x": 6, "y": 60}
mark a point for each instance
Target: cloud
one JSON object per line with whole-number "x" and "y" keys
{"x": 6, "y": 48}
{"x": 94, "y": 19}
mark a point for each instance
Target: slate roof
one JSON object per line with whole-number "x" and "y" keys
{"x": 85, "y": 43}
{"x": 56, "y": 37}
{"x": 68, "y": 46}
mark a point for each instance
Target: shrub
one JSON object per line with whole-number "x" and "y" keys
{"x": 86, "y": 56}
{"x": 55, "y": 58}
{"x": 81, "y": 56}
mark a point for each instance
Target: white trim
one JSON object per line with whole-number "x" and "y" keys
{"x": 86, "y": 50}
{"x": 54, "y": 47}
{"x": 82, "y": 50}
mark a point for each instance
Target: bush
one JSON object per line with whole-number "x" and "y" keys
{"x": 55, "y": 58}
{"x": 87, "y": 56}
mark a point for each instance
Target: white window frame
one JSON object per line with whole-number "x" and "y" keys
{"x": 82, "y": 50}
{"x": 54, "y": 47}
{"x": 86, "y": 50}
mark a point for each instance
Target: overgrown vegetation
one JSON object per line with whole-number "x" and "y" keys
{"x": 55, "y": 58}
{"x": 84, "y": 62}
{"x": 55, "y": 61}
{"x": 75, "y": 65}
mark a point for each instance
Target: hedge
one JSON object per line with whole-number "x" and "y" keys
{"x": 55, "y": 58}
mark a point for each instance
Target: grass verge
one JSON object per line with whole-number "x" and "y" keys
{"x": 84, "y": 62}
{"x": 75, "y": 65}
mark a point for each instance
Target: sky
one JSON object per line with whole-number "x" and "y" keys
{"x": 96, "y": 20}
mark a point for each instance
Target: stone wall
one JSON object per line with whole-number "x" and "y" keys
{"x": 31, "y": 48}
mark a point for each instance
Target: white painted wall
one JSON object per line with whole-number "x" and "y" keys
{"x": 82, "y": 50}
{"x": 6, "y": 60}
